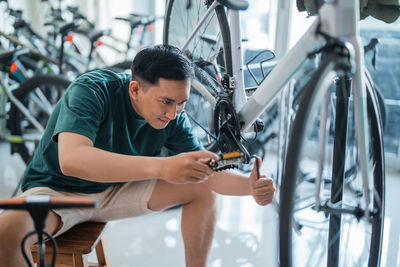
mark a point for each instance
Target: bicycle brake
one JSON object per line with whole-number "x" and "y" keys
{"x": 228, "y": 160}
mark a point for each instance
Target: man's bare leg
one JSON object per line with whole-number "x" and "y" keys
{"x": 198, "y": 216}
{"x": 14, "y": 225}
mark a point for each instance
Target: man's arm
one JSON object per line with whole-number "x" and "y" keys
{"x": 79, "y": 158}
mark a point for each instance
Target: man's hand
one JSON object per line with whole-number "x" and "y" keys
{"x": 261, "y": 189}
{"x": 188, "y": 167}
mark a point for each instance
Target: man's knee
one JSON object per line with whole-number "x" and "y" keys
{"x": 166, "y": 195}
{"x": 13, "y": 226}
{"x": 204, "y": 194}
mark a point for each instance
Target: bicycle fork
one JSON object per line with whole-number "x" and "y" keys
{"x": 334, "y": 207}
{"x": 338, "y": 169}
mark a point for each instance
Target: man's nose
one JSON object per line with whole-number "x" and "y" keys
{"x": 171, "y": 112}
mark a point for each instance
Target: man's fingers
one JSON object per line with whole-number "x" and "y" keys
{"x": 264, "y": 202}
{"x": 263, "y": 192}
{"x": 265, "y": 199}
{"x": 196, "y": 168}
{"x": 201, "y": 165}
{"x": 264, "y": 182}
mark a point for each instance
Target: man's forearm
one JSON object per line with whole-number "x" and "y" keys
{"x": 97, "y": 165}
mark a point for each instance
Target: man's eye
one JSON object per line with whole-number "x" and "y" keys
{"x": 166, "y": 102}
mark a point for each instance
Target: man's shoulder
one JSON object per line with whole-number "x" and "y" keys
{"x": 99, "y": 82}
{"x": 103, "y": 76}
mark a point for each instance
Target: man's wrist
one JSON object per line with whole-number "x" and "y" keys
{"x": 157, "y": 168}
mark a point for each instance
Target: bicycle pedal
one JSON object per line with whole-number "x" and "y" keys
{"x": 228, "y": 160}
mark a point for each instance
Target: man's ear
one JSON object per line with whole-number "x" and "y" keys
{"x": 133, "y": 88}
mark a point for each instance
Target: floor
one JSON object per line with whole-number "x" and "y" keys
{"x": 246, "y": 234}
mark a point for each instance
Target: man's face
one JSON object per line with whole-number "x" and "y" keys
{"x": 160, "y": 103}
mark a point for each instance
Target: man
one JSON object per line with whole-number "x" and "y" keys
{"x": 102, "y": 141}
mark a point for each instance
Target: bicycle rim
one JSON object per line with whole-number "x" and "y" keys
{"x": 39, "y": 95}
{"x": 211, "y": 60}
{"x": 304, "y": 231}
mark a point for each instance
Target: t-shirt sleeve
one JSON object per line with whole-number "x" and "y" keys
{"x": 182, "y": 138}
{"x": 82, "y": 111}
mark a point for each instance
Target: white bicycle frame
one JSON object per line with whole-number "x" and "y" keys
{"x": 339, "y": 19}
{"x": 7, "y": 92}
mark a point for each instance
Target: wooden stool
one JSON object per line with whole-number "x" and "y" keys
{"x": 74, "y": 246}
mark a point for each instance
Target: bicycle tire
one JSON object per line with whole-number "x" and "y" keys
{"x": 52, "y": 87}
{"x": 181, "y": 19}
{"x": 293, "y": 186}
{"x": 203, "y": 53}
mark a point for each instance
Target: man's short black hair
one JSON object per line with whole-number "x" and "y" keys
{"x": 161, "y": 61}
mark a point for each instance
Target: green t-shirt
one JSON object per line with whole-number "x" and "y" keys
{"x": 98, "y": 106}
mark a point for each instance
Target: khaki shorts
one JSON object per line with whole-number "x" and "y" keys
{"x": 116, "y": 202}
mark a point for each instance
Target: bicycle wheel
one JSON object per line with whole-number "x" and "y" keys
{"x": 209, "y": 50}
{"x": 38, "y": 94}
{"x": 210, "y": 43}
{"x": 308, "y": 234}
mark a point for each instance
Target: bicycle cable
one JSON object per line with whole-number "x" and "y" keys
{"x": 257, "y": 165}
{"x": 201, "y": 126}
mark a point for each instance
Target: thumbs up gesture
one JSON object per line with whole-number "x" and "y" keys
{"x": 261, "y": 189}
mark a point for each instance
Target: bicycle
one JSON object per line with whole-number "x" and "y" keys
{"x": 325, "y": 208}
{"x": 38, "y": 207}
{"x": 45, "y": 56}
{"x": 25, "y": 104}
{"x": 56, "y": 52}
{"x": 140, "y": 26}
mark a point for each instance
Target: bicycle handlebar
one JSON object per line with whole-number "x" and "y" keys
{"x": 139, "y": 15}
{"x": 136, "y": 20}
{"x": 70, "y": 26}
{"x": 46, "y": 202}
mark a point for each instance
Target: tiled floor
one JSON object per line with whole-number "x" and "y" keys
{"x": 246, "y": 234}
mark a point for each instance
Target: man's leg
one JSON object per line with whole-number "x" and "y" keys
{"x": 14, "y": 225}
{"x": 198, "y": 216}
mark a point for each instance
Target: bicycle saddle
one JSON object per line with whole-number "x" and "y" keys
{"x": 67, "y": 27}
{"x": 6, "y": 58}
{"x": 94, "y": 36}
